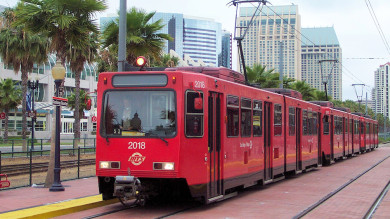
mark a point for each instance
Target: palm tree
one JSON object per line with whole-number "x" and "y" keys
{"x": 166, "y": 60}
{"x": 67, "y": 22}
{"x": 142, "y": 38}
{"x": 77, "y": 58}
{"x": 305, "y": 89}
{"x": 21, "y": 49}
{"x": 321, "y": 96}
{"x": 10, "y": 98}
{"x": 81, "y": 103}
{"x": 266, "y": 78}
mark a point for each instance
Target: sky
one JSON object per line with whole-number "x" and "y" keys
{"x": 355, "y": 29}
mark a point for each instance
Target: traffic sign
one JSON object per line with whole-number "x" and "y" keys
{"x": 2, "y": 115}
{"x": 58, "y": 101}
{"x": 94, "y": 119}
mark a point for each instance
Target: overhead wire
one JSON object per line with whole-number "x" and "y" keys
{"x": 300, "y": 33}
{"x": 377, "y": 25}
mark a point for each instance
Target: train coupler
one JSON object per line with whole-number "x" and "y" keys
{"x": 128, "y": 188}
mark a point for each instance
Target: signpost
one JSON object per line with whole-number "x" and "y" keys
{"x": 58, "y": 101}
{"x": 2, "y": 115}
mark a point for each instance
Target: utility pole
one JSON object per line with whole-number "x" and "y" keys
{"x": 366, "y": 104}
{"x": 326, "y": 79}
{"x": 122, "y": 36}
{"x": 281, "y": 64}
{"x": 359, "y": 97}
{"x": 242, "y": 36}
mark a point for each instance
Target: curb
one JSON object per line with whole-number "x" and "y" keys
{"x": 60, "y": 208}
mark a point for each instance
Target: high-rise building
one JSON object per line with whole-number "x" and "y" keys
{"x": 225, "y": 59}
{"x": 202, "y": 39}
{"x": 272, "y": 29}
{"x": 321, "y": 60}
{"x": 199, "y": 39}
{"x": 382, "y": 90}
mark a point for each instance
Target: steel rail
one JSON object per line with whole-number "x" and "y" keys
{"x": 325, "y": 198}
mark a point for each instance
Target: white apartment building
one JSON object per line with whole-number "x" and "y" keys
{"x": 321, "y": 45}
{"x": 271, "y": 27}
{"x": 381, "y": 93}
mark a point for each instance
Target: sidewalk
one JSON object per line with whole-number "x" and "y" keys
{"x": 21, "y": 198}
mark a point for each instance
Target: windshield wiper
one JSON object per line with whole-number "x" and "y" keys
{"x": 163, "y": 139}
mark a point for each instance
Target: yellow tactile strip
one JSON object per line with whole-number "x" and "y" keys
{"x": 59, "y": 208}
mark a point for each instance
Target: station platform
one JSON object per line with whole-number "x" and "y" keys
{"x": 39, "y": 202}
{"x": 284, "y": 199}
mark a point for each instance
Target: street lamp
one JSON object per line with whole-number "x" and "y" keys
{"x": 33, "y": 85}
{"x": 58, "y": 73}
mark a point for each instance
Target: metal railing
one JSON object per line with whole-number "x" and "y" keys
{"x": 14, "y": 146}
{"x": 29, "y": 168}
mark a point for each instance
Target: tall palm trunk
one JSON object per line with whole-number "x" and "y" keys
{"x": 77, "y": 111}
{"x": 24, "y": 111}
{"x": 6, "y": 110}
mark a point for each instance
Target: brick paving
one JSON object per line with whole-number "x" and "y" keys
{"x": 284, "y": 199}
{"x": 27, "y": 197}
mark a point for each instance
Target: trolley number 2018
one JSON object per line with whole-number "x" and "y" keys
{"x": 136, "y": 145}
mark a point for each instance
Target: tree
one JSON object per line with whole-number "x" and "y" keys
{"x": 142, "y": 38}
{"x": 166, "y": 60}
{"x": 320, "y": 96}
{"x": 10, "y": 98}
{"x": 81, "y": 103}
{"x": 305, "y": 89}
{"x": 68, "y": 23}
{"x": 266, "y": 78}
{"x": 77, "y": 58}
{"x": 21, "y": 49}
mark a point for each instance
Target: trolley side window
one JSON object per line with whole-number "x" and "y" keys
{"x": 325, "y": 122}
{"x": 194, "y": 117}
{"x": 278, "y": 119}
{"x": 309, "y": 123}
{"x": 233, "y": 116}
{"x": 304, "y": 123}
{"x": 257, "y": 117}
{"x": 351, "y": 126}
{"x": 314, "y": 123}
{"x": 246, "y": 117}
{"x": 291, "y": 121}
{"x": 356, "y": 123}
{"x": 336, "y": 125}
{"x": 345, "y": 126}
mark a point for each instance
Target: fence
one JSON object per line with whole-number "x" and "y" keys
{"x": 15, "y": 145}
{"x": 29, "y": 168}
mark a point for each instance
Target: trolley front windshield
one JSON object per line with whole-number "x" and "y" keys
{"x": 139, "y": 113}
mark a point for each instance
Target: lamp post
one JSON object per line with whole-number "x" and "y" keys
{"x": 33, "y": 85}
{"x": 58, "y": 72}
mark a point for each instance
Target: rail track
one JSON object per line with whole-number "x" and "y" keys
{"x": 22, "y": 169}
{"x": 334, "y": 192}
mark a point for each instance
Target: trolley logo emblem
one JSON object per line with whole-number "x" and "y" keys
{"x": 136, "y": 158}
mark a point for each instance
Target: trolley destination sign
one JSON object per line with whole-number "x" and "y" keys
{"x": 58, "y": 101}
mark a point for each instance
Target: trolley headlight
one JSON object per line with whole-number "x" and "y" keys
{"x": 104, "y": 164}
{"x": 164, "y": 166}
{"x": 110, "y": 165}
